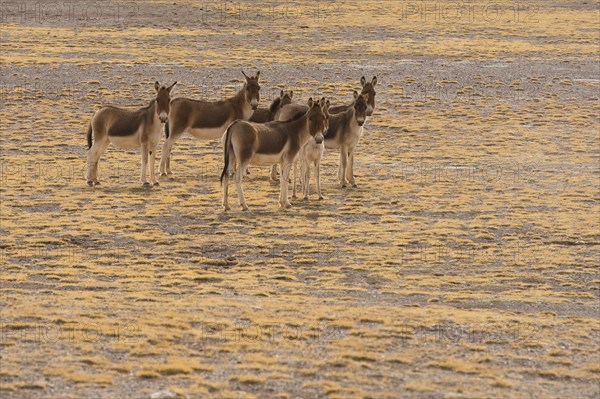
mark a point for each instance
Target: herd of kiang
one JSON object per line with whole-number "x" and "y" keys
{"x": 285, "y": 134}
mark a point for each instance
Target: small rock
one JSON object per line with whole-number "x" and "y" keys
{"x": 164, "y": 395}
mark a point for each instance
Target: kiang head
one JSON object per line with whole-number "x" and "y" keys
{"x": 286, "y": 97}
{"x": 318, "y": 118}
{"x": 369, "y": 89}
{"x": 163, "y": 100}
{"x": 361, "y": 107}
{"x": 252, "y": 90}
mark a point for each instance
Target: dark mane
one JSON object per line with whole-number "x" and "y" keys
{"x": 297, "y": 116}
{"x": 128, "y": 108}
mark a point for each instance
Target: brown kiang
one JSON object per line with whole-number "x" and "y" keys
{"x": 270, "y": 143}
{"x": 207, "y": 120}
{"x": 129, "y": 129}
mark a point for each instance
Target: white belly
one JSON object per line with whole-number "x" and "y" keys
{"x": 265, "y": 159}
{"x": 331, "y": 144}
{"x": 209, "y": 133}
{"x": 125, "y": 142}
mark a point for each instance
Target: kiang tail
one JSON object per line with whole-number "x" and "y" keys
{"x": 89, "y": 136}
{"x": 226, "y": 150}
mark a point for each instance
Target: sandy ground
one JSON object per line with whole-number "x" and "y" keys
{"x": 463, "y": 266}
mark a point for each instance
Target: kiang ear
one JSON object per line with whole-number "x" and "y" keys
{"x": 310, "y": 102}
{"x": 257, "y": 75}
{"x": 246, "y": 76}
{"x": 355, "y": 94}
{"x": 325, "y": 106}
{"x": 322, "y": 102}
{"x": 291, "y": 93}
{"x": 363, "y": 81}
{"x": 374, "y": 81}
{"x": 156, "y": 86}
{"x": 281, "y": 94}
{"x": 170, "y": 88}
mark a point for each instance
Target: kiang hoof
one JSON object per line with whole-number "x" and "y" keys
{"x": 354, "y": 185}
{"x": 146, "y": 184}
{"x": 244, "y": 208}
{"x": 156, "y": 184}
{"x": 305, "y": 198}
{"x": 321, "y": 198}
{"x": 344, "y": 185}
{"x": 162, "y": 174}
{"x": 90, "y": 183}
{"x": 226, "y": 208}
